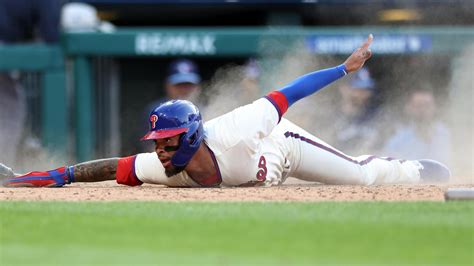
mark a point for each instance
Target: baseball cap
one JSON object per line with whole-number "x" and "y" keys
{"x": 183, "y": 71}
{"x": 361, "y": 80}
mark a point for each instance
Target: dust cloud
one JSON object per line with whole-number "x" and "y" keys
{"x": 461, "y": 113}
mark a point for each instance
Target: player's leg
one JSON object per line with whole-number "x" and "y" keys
{"x": 315, "y": 160}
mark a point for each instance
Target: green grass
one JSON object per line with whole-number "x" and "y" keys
{"x": 236, "y": 233}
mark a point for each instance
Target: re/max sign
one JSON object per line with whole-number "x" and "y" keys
{"x": 179, "y": 44}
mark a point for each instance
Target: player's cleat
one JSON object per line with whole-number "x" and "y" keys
{"x": 54, "y": 178}
{"x": 433, "y": 172}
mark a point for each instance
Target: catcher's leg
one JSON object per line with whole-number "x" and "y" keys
{"x": 315, "y": 160}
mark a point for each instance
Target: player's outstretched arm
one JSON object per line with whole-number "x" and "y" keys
{"x": 250, "y": 121}
{"x": 313, "y": 82}
{"x": 120, "y": 169}
{"x": 95, "y": 171}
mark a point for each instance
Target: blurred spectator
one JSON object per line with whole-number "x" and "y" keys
{"x": 422, "y": 135}
{"x": 21, "y": 21}
{"x": 353, "y": 120}
{"x": 29, "y": 21}
{"x": 183, "y": 82}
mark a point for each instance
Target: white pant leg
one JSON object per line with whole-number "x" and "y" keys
{"x": 315, "y": 160}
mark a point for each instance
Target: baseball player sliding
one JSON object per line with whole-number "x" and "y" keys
{"x": 249, "y": 146}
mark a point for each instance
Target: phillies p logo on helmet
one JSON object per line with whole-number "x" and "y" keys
{"x": 153, "y": 119}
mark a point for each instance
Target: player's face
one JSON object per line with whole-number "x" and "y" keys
{"x": 165, "y": 149}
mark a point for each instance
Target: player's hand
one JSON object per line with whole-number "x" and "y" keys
{"x": 357, "y": 59}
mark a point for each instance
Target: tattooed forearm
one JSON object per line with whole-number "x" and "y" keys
{"x": 94, "y": 171}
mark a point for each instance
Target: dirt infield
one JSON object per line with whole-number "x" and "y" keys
{"x": 295, "y": 191}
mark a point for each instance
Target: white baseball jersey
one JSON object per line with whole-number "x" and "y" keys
{"x": 251, "y": 147}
